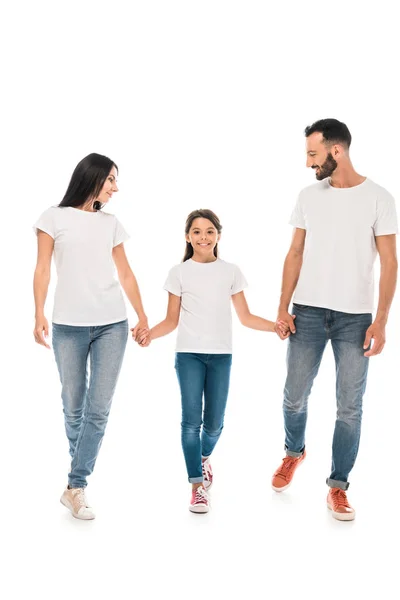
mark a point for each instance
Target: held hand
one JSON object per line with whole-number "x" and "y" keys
{"x": 41, "y": 331}
{"x": 282, "y": 330}
{"x": 285, "y": 324}
{"x": 375, "y": 332}
{"x": 143, "y": 324}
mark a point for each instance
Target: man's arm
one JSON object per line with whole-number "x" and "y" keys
{"x": 386, "y": 246}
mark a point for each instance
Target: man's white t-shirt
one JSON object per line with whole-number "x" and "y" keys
{"x": 87, "y": 291}
{"x": 205, "y": 324}
{"x": 340, "y": 250}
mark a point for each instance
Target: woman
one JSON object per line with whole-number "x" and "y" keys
{"x": 90, "y": 326}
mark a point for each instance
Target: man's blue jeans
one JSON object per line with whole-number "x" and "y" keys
{"x": 314, "y": 327}
{"x": 200, "y": 374}
{"x": 87, "y": 400}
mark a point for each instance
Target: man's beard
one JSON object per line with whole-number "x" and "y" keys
{"x": 327, "y": 168}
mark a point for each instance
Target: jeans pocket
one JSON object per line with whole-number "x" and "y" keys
{"x": 301, "y": 306}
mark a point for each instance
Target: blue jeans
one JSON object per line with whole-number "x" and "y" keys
{"x": 200, "y": 374}
{"x": 314, "y": 327}
{"x": 87, "y": 393}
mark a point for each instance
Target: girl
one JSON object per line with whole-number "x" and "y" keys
{"x": 199, "y": 290}
{"x": 89, "y": 316}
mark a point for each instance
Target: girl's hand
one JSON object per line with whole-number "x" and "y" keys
{"x": 41, "y": 331}
{"x": 142, "y": 325}
{"x": 282, "y": 329}
{"x": 145, "y": 340}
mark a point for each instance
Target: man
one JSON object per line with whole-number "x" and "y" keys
{"x": 340, "y": 223}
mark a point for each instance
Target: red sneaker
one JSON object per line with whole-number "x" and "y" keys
{"x": 199, "y": 502}
{"x": 283, "y": 476}
{"x": 339, "y": 505}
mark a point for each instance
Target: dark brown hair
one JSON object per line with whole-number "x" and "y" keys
{"x": 202, "y": 213}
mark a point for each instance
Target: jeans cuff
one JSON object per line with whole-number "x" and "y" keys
{"x": 334, "y": 483}
{"x": 195, "y": 479}
{"x": 293, "y": 454}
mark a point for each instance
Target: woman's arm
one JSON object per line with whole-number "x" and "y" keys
{"x": 41, "y": 282}
{"x": 165, "y": 327}
{"x": 129, "y": 285}
{"x": 246, "y": 318}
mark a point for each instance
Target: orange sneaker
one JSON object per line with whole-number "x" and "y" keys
{"x": 339, "y": 505}
{"x": 283, "y": 476}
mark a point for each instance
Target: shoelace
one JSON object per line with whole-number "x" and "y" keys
{"x": 79, "y": 497}
{"x": 200, "y": 496}
{"x": 287, "y": 465}
{"x": 340, "y": 499}
{"x": 207, "y": 472}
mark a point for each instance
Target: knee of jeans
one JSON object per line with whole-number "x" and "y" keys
{"x": 294, "y": 403}
{"x": 213, "y": 431}
{"x": 190, "y": 428}
{"x": 73, "y": 414}
{"x": 350, "y": 414}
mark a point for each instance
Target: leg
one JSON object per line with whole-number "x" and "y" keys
{"x": 215, "y": 397}
{"x": 348, "y": 334}
{"x": 191, "y": 371}
{"x": 305, "y": 350}
{"x": 71, "y": 349}
{"x": 106, "y": 354}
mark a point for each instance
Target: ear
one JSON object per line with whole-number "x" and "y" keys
{"x": 218, "y": 237}
{"x": 187, "y": 238}
{"x": 336, "y": 150}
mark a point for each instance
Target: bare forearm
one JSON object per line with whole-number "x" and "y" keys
{"x": 291, "y": 272}
{"x": 161, "y": 329}
{"x": 131, "y": 289}
{"x": 258, "y": 323}
{"x": 387, "y": 287}
{"x": 41, "y": 282}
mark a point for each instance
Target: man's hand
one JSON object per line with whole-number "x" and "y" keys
{"x": 375, "y": 332}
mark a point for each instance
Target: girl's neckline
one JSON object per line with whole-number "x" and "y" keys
{"x": 211, "y": 262}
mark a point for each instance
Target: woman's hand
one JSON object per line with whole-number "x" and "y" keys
{"x": 41, "y": 331}
{"x": 142, "y": 326}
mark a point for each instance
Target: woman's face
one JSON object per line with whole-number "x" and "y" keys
{"x": 109, "y": 187}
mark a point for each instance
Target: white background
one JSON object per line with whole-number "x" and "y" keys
{"x": 200, "y": 104}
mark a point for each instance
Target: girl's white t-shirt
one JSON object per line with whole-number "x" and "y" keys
{"x": 205, "y": 324}
{"x": 340, "y": 248}
{"x": 87, "y": 291}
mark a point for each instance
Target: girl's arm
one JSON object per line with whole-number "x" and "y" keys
{"x": 245, "y": 316}
{"x": 41, "y": 282}
{"x": 165, "y": 327}
{"x": 129, "y": 285}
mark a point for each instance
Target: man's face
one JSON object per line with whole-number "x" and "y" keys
{"x": 319, "y": 156}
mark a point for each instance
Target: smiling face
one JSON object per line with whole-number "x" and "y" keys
{"x": 320, "y": 155}
{"x": 203, "y": 236}
{"x": 109, "y": 187}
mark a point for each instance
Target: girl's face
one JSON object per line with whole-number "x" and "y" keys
{"x": 109, "y": 187}
{"x": 203, "y": 237}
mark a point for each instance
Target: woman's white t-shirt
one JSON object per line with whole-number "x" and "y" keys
{"x": 340, "y": 249}
{"x": 205, "y": 324}
{"x": 87, "y": 291}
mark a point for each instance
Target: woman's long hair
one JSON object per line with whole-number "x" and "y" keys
{"x": 87, "y": 180}
{"x": 202, "y": 213}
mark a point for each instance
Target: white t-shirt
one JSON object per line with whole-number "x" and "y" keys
{"x": 87, "y": 292}
{"x": 341, "y": 223}
{"x": 205, "y": 324}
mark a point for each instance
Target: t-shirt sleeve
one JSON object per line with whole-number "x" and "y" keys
{"x": 120, "y": 235}
{"x": 386, "y": 217}
{"x": 173, "y": 283}
{"x": 297, "y": 218}
{"x": 46, "y": 223}
{"x": 239, "y": 281}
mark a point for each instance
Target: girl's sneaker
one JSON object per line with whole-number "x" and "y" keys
{"x": 199, "y": 502}
{"x": 207, "y": 474}
{"x": 75, "y": 500}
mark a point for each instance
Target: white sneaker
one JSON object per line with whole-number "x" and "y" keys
{"x": 74, "y": 499}
{"x": 207, "y": 474}
{"x": 199, "y": 502}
